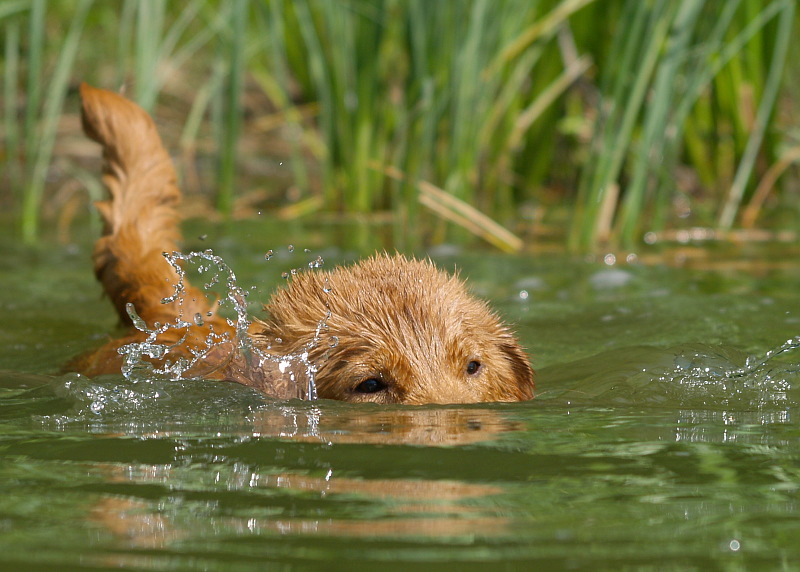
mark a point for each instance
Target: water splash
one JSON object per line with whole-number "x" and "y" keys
{"x": 296, "y": 371}
{"x": 753, "y": 363}
{"x": 705, "y": 376}
{"x": 691, "y": 376}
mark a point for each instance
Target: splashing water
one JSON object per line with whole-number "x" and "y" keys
{"x": 761, "y": 381}
{"x": 248, "y": 359}
{"x": 753, "y": 363}
{"x": 691, "y": 375}
{"x": 706, "y": 376}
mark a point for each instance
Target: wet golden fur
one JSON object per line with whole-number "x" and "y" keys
{"x": 394, "y": 330}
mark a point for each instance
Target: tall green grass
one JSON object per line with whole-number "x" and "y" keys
{"x": 677, "y": 63}
{"x": 446, "y": 93}
{"x": 45, "y": 93}
{"x": 233, "y": 53}
{"x": 458, "y": 118}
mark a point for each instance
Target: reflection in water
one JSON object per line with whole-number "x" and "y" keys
{"x": 224, "y": 476}
{"x": 389, "y": 509}
{"x": 135, "y": 522}
{"x": 249, "y": 492}
{"x": 708, "y": 426}
{"x": 402, "y": 426}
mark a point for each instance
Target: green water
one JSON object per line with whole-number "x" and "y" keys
{"x": 653, "y": 444}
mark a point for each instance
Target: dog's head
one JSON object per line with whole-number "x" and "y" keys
{"x": 393, "y": 330}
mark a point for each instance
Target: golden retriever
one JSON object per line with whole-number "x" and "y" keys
{"x": 387, "y": 329}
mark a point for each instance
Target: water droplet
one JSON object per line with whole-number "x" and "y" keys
{"x": 284, "y": 275}
{"x": 523, "y": 294}
{"x": 334, "y": 341}
{"x": 268, "y": 255}
{"x": 203, "y": 236}
{"x": 291, "y": 248}
{"x": 306, "y": 250}
{"x": 138, "y": 322}
{"x": 173, "y": 365}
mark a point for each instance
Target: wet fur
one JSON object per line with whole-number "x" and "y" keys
{"x": 396, "y": 323}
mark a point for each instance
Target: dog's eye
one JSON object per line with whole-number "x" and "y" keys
{"x": 473, "y": 367}
{"x": 371, "y": 385}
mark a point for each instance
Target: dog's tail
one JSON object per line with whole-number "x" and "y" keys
{"x": 140, "y": 218}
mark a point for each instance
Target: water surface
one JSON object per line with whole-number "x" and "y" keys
{"x": 665, "y": 434}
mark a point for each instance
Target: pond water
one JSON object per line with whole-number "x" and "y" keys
{"x": 666, "y": 433}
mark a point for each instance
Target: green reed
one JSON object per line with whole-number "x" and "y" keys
{"x": 44, "y": 96}
{"x": 233, "y": 52}
{"x": 11, "y": 53}
{"x": 450, "y": 116}
{"x": 769, "y": 94}
{"x": 682, "y": 63}
{"x": 446, "y": 93}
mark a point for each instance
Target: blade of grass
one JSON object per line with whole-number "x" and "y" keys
{"x": 610, "y": 159}
{"x": 624, "y": 49}
{"x": 232, "y": 114}
{"x": 11, "y": 8}
{"x": 54, "y": 102}
{"x": 127, "y": 25}
{"x": 545, "y": 99}
{"x": 33, "y": 82}
{"x": 461, "y": 213}
{"x": 274, "y": 79}
{"x": 318, "y": 77}
{"x": 654, "y": 137}
{"x": 713, "y": 55}
{"x": 688, "y": 135}
{"x": 767, "y": 184}
{"x": 546, "y": 26}
{"x": 11, "y": 50}
{"x": 765, "y": 108}
{"x": 149, "y": 26}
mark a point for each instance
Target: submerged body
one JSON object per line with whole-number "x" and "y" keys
{"x": 387, "y": 329}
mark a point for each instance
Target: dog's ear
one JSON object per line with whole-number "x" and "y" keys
{"x": 523, "y": 375}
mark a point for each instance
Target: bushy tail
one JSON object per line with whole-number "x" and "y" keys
{"x": 140, "y": 217}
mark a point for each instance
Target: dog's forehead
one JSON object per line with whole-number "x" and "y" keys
{"x": 391, "y": 272}
{"x": 386, "y": 300}
{"x": 426, "y": 309}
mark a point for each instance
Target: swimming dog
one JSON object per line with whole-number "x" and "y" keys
{"x": 387, "y": 329}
